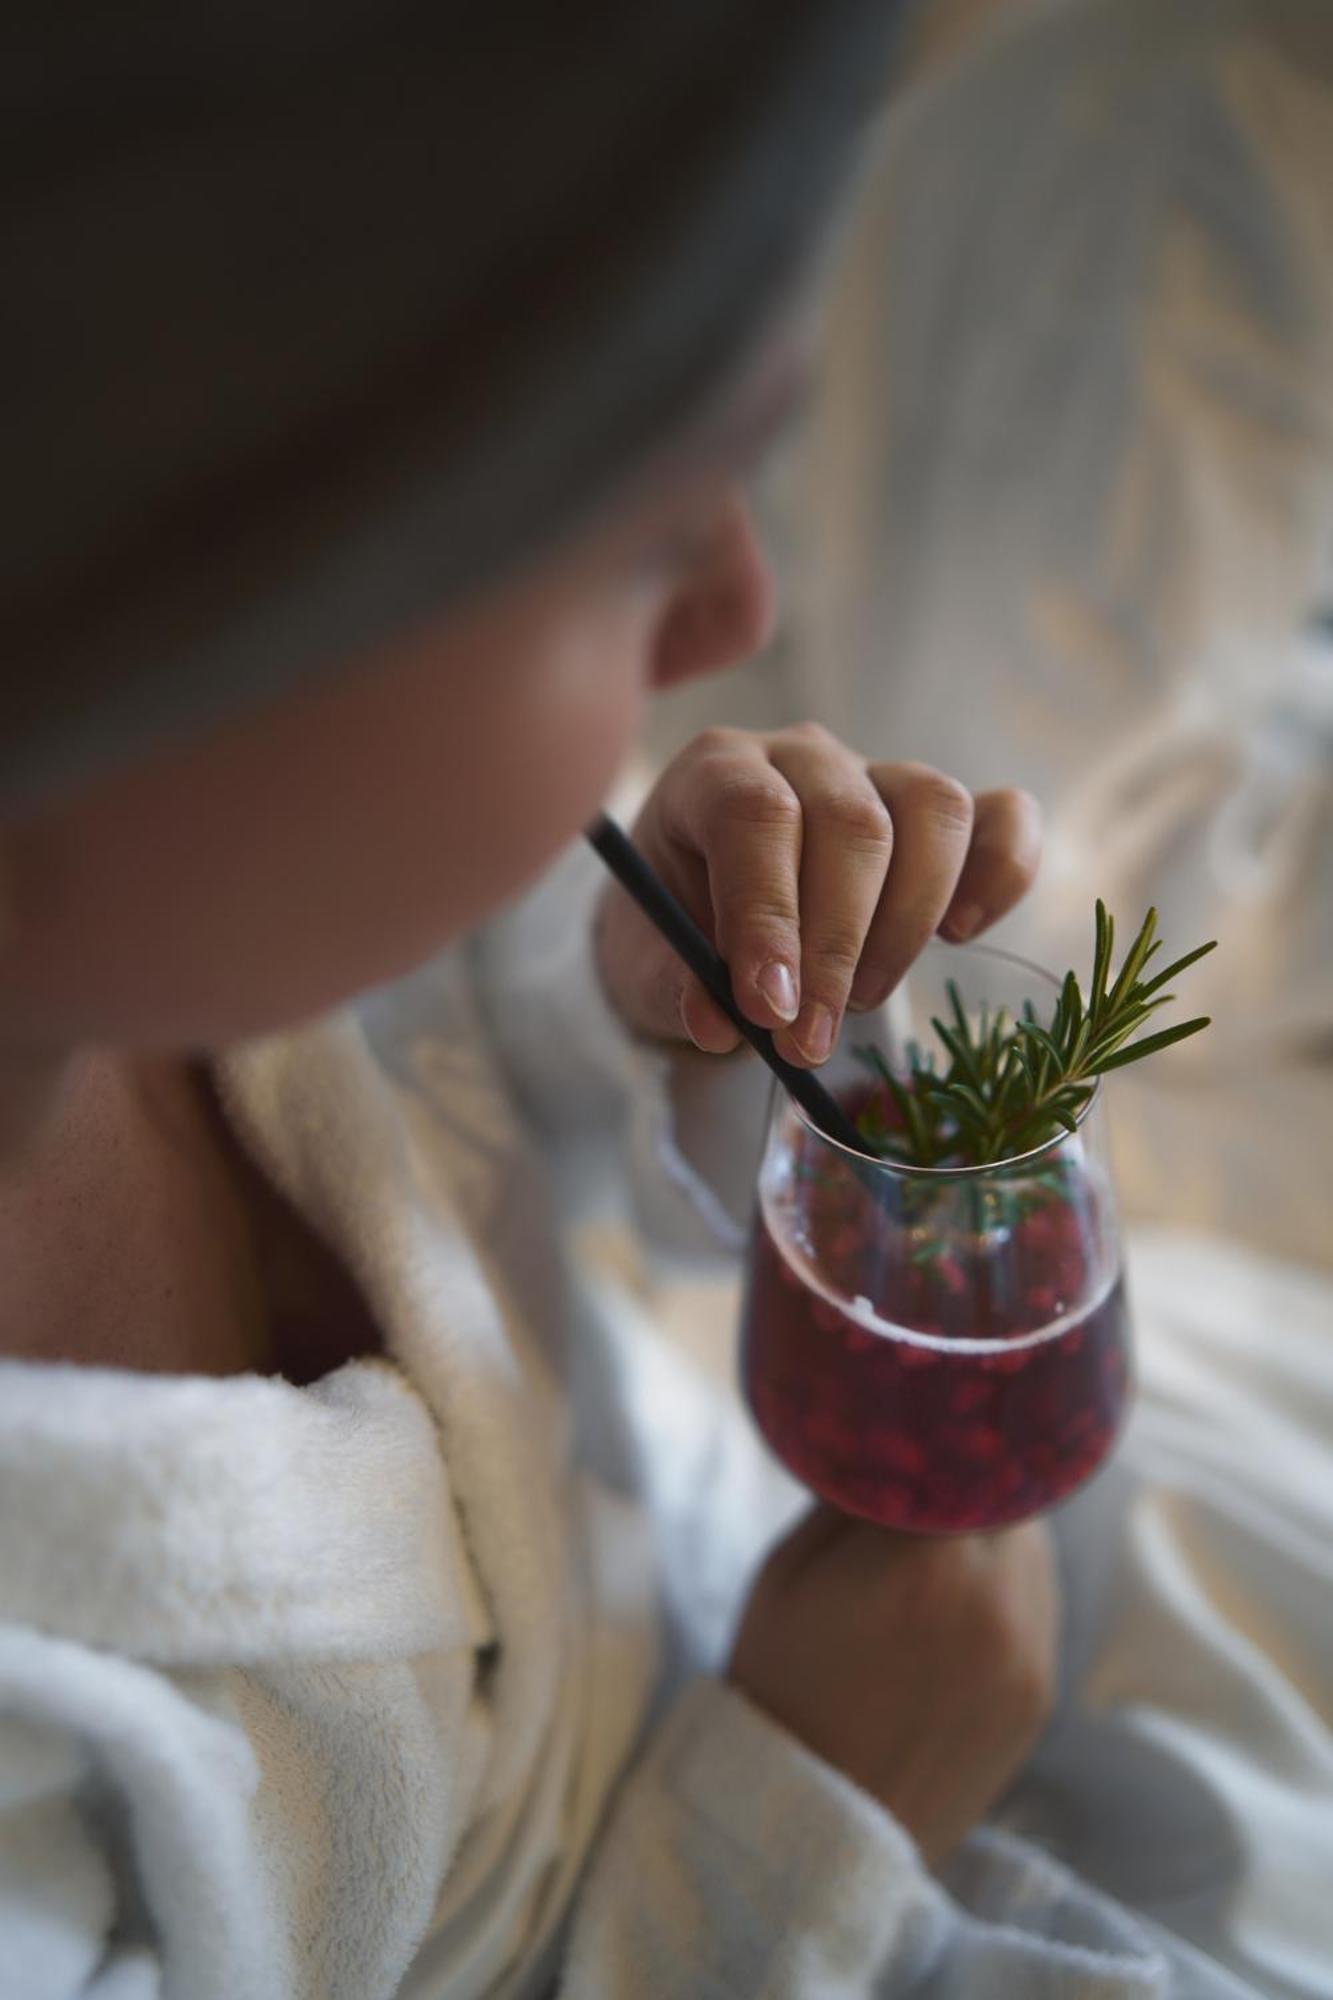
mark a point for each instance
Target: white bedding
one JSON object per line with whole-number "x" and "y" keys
{"x": 1190, "y": 1773}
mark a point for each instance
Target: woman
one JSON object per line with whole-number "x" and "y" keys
{"x": 389, "y": 385}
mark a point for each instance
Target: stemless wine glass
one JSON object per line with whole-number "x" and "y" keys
{"x": 937, "y": 1349}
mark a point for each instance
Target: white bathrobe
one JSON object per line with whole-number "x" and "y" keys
{"x": 366, "y": 1689}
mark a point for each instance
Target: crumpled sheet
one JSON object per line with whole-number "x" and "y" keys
{"x": 1064, "y": 518}
{"x": 1190, "y": 1770}
{"x": 1072, "y": 495}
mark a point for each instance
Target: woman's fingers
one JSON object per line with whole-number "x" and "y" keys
{"x": 820, "y": 878}
{"x": 703, "y": 1020}
{"x": 960, "y": 864}
{"x": 932, "y": 826}
{"x": 734, "y": 810}
{"x": 1001, "y": 862}
{"x": 848, "y": 839}
{"x": 647, "y": 982}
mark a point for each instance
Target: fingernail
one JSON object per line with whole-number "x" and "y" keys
{"x": 685, "y": 1027}
{"x": 720, "y": 1038}
{"x": 964, "y": 922}
{"x": 778, "y": 987}
{"x": 815, "y": 1033}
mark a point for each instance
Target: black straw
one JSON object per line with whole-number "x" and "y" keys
{"x": 681, "y": 932}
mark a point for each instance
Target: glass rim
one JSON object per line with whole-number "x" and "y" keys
{"x": 904, "y": 1168}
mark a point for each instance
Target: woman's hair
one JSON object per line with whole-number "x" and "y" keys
{"x": 321, "y": 311}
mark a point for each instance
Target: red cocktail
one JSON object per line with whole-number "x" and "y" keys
{"x": 942, "y": 1349}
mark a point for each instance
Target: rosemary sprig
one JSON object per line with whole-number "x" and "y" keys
{"x": 1010, "y": 1086}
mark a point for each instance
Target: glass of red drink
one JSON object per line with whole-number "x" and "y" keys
{"x": 937, "y": 1349}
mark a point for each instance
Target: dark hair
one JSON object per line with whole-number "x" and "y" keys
{"x": 319, "y": 313}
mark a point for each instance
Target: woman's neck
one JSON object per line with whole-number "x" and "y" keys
{"x": 134, "y": 1233}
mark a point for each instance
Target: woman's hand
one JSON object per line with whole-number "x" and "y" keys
{"x": 922, "y": 1669}
{"x": 818, "y": 876}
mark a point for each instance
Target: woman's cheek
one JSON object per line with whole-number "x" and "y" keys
{"x": 235, "y": 886}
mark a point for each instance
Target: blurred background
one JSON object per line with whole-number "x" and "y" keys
{"x": 1063, "y": 516}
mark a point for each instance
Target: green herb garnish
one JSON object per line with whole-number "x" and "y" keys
{"x": 1009, "y": 1086}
